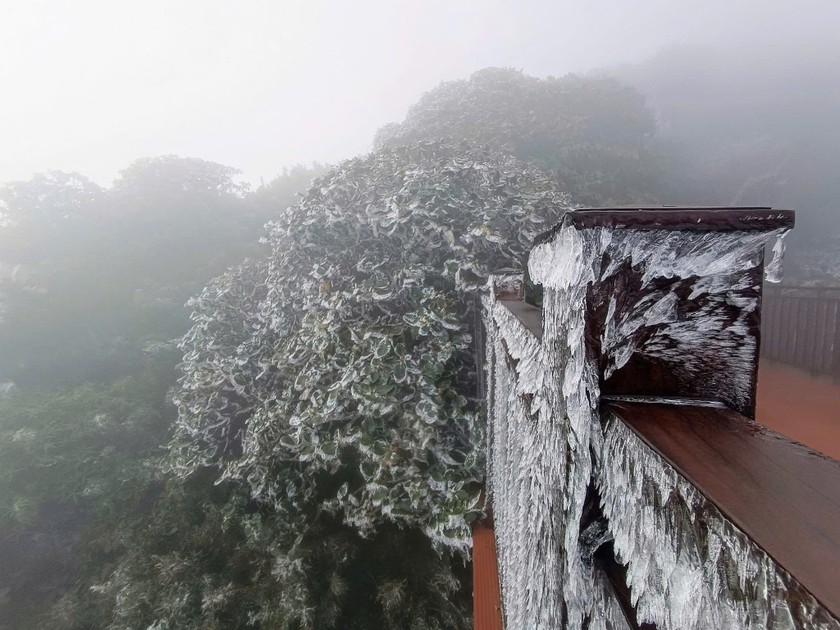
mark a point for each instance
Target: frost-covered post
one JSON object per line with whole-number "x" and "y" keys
{"x": 653, "y": 304}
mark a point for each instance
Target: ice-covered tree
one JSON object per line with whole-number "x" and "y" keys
{"x": 338, "y": 376}
{"x": 592, "y": 131}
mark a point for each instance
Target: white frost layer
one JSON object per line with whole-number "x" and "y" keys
{"x": 690, "y": 567}
{"x": 715, "y": 264}
{"x": 773, "y": 272}
{"x": 544, "y": 436}
{"x": 537, "y": 475}
{"x": 522, "y": 436}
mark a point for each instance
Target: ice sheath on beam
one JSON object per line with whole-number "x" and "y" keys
{"x": 643, "y": 302}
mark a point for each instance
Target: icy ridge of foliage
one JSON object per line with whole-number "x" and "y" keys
{"x": 545, "y": 433}
{"x": 689, "y": 566}
{"x": 541, "y": 119}
{"x": 337, "y": 375}
{"x": 591, "y": 131}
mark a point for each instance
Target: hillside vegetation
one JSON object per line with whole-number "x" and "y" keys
{"x": 208, "y": 423}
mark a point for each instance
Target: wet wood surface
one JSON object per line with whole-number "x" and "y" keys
{"x": 783, "y": 495}
{"x": 487, "y": 600}
{"x": 802, "y": 406}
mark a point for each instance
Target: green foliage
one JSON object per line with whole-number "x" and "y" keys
{"x": 92, "y": 290}
{"x": 70, "y": 459}
{"x": 338, "y": 375}
{"x": 592, "y": 132}
{"x": 75, "y": 445}
{"x": 201, "y": 560}
{"x": 87, "y": 286}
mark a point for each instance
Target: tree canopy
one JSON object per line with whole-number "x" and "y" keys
{"x": 592, "y": 131}
{"x": 333, "y": 384}
{"x": 338, "y": 375}
{"x": 93, "y": 283}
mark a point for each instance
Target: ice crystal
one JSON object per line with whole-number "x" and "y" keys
{"x": 688, "y": 566}
{"x": 692, "y": 310}
{"x": 773, "y": 271}
{"x": 337, "y": 374}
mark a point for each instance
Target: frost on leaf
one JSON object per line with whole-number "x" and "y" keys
{"x": 338, "y": 374}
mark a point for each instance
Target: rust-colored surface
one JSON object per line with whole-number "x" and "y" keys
{"x": 783, "y": 495}
{"x": 803, "y": 407}
{"x": 487, "y": 599}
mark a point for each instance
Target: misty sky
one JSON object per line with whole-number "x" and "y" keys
{"x": 90, "y": 86}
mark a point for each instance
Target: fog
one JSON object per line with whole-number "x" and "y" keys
{"x": 91, "y": 86}
{"x": 242, "y": 251}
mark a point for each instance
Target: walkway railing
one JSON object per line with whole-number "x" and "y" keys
{"x": 801, "y": 327}
{"x": 629, "y": 482}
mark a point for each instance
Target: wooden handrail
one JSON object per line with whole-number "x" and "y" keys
{"x": 781, "y": 494}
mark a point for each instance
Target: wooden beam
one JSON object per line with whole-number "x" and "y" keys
{"x": 783, "y": 495}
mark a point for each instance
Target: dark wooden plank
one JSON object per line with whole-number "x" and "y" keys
{"x": 820, "y": 334}
{"x": 801, "y": 339}
{"x": 831, "y": 317}
{"x": 529, "y": 315}
{"x": 691, "y": 219}
{"x": 781, "y": 313}
{"x": 834, "y": 335}
{"x": 779, "y": 335}
{"x": 783, "y": 495}
{"x": 770, "y": 322}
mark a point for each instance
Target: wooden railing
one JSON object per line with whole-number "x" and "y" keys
{"x": 781, "y": 494}
{"x": 801, "y": 327}
{"x": 684, "y": 469}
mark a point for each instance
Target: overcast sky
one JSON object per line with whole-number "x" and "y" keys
{"x": 90, "y": 86}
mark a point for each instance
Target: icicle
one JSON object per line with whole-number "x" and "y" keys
{"x": 774, "y": 272}
{"x": 545, "y": 434}
{"x": 683, "y": 576}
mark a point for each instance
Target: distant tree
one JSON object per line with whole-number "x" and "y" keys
{"x": 48, "y": 198}
{"x": 593, "y": 132}
{"x": 752, "y": 127}
{"x": 36, "y": 215}
{"x": 88, "y": 276}
{"x": 290, "y": 184}
{"x": 172, "y": 177}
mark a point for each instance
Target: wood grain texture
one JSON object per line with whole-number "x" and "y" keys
{"x": 487, "y": 599}
{"x": 783, "y": 495}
